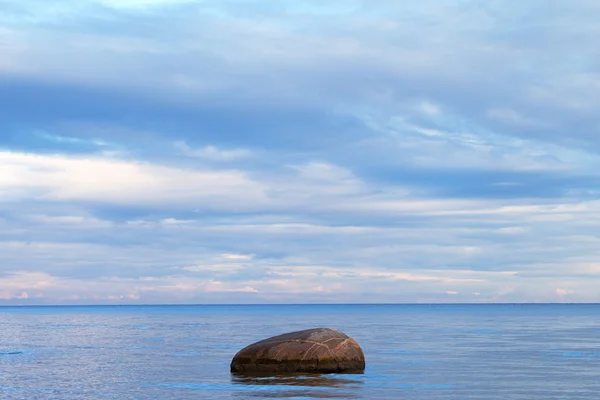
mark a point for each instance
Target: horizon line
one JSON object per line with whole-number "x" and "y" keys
{"x": 297, "y": 304}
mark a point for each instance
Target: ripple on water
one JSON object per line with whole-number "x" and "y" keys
{"x": 13, "y": 352}
{"x": 70, "y": 326}
{"x": 291, "y": 386}
{"x": 154, "y": 340}
{"x": 193, "y": 386}
{"x": 577, "y": 354}
{"x": 141, "y": 327}
{"x": 10, "y": 353}
{"x": 472, "y": 331}
{"x": 397, "y": 351}
{"x": 225, "y": 347}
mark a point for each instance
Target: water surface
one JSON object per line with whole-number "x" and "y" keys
{"x": 450, "y": 352}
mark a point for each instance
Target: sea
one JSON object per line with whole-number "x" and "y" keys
{"x": 417, "y": 352}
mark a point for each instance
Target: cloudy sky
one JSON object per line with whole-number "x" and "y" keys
{"x": 299, "y": 151}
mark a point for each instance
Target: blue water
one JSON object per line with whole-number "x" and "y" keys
{"x": 413, "y": 352}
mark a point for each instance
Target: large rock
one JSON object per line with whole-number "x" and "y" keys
{"x": 320, "y": 350}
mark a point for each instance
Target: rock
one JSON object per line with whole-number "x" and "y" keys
{"x": 320, "y": 350}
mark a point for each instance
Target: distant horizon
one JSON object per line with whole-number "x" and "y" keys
{"x": 287, "y": 304}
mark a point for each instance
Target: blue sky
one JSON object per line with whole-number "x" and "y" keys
{"x": 279, "y": 151}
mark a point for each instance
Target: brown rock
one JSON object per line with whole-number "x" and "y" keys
{"x": 320, "y": 350}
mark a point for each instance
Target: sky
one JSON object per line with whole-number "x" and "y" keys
{"x": 299, "y": 151}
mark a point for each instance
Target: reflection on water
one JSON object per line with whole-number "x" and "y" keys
{"x": 299, "y": 385}
{"x": 332, "y": 381}
{"x": 289, "y": 394}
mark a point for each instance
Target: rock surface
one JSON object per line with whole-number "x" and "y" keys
{"x": 320, "y": 350}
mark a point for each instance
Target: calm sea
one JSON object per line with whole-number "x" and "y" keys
{"x": 413, "y": 352}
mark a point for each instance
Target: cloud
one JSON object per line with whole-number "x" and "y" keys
{"x": 513, "y": 118}
{"x": 6, "y": 295}
{"x": 113, "y": 181}
{"x": 213, "y": 153}
{"x": 269, "y": 151}
{"x": 238, "y": 256}
{"x": 428, "y": 108}
{"x": 109, "y": 289}
{"x": 142, "y": 4}
{"x": 254, "y": 54}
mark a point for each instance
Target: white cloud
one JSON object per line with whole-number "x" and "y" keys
{"x": 512, "y": 117}
{"x": 238, "y": 257}
{"x": 213, "y": 153}
{"x": 8, "y": 295}
{"x": 95, "y": 179}
{"x": 468, "y": 146}
{"x": 225, "y": 263}
{"x": 126, "y": 4}
{"x": 322, "y": 171}
{"x": 513, "y": 230}
{"x": 428, "y": 108}
{"x": 68, "y": 220}
{"x": 320, "y": 179}
{"x": 38, "y": 285}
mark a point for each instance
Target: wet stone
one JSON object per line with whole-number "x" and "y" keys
{"x": 320, "y": 350}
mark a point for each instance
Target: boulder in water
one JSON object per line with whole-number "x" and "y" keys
{"x": 320, "y": 350}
